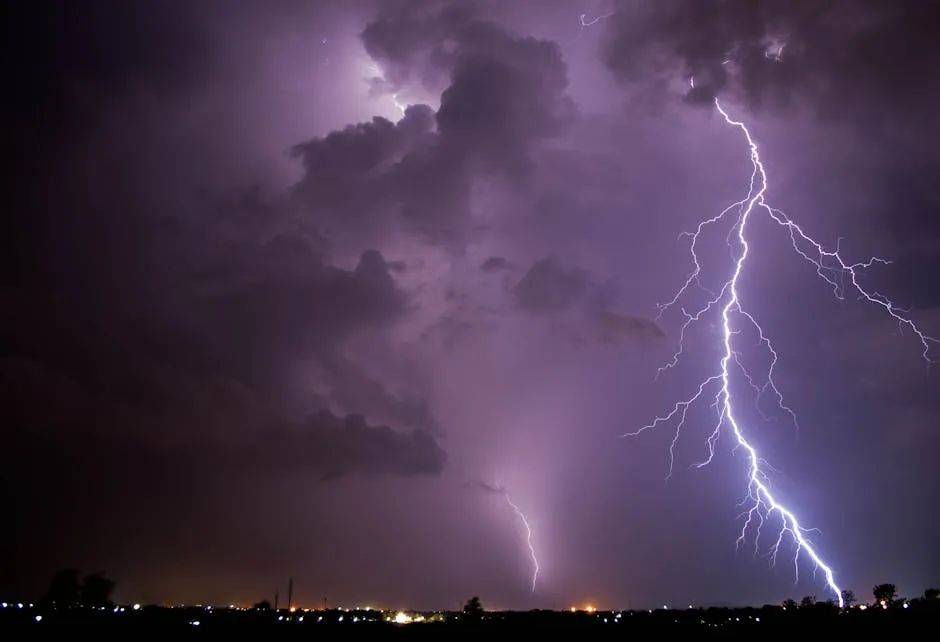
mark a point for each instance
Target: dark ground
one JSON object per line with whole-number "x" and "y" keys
{"x": 918, "y": 618}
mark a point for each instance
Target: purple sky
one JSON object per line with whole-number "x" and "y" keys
{"x": 260, "y": 322}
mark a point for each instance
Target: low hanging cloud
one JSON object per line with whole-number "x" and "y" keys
{"x": 495, "y": 264}
{"x": 616, "y": 328}
{"x": 549, "y": 287}
{"x": 488, "y": 488}
{"x": 336, "y": 446}
{"x": 225, "y": 424}
{"x": 214, "y": 378}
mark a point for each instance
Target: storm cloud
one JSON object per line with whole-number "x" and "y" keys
{"x": 833, "y": 58}
{"x": 280, "y": 282}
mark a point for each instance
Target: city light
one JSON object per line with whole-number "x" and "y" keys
{"x": 402, "y": 618}
{"x": 582, "y": 615}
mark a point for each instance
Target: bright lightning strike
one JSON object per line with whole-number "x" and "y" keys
{"x": 761, "y": 504}
{"x": 528, "y": 538}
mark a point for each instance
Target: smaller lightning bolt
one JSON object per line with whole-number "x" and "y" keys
{"x": 586, "y": 22}
{"x": 589, "y": 22}
{"x": 528, "y": 538}
{"x": 496, "y": 488}
{"x": 380, "y": 76}
{"x": 402, "y": 107}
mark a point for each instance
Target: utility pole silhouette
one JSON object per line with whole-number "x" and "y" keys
{"x": 290, "y": 593}
{"x": 276, "y": 596}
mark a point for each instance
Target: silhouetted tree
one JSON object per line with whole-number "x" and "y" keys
{"x": 473, "y": 609}
{"x": 848, "y": 598}
{"x": 789, "y": 604}
{"x": 885, "y": 594}
{"x": 931, "y": 594}
{"x": 808, "y": 602}
{"x": 63, "y": 590}
{"x": 263, "y": 605}
{"x": 96, "y": 590}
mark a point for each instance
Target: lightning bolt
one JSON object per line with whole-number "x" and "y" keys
{"x": 528, "y": 538}
{"x": 584, "y": 22}
{"x": 761, "y": 505}
{"x": 590, "y": 22}
{"x": 380, "y": 75}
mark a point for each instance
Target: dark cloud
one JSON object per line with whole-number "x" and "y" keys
{"x": 548, "y": 286}
{"x": 349, "y": 178}
{"x": 502, "y": 97}
{"x": 215, "y": 420}
{"x": 289, "y": 304}
{"x": 417, "y": 41}
{"x": 506, "y": 92}
{"x": 248, "y": 320}
{"x": 352, "y": 387}
{"x": 853, "y": 58}
{"x": 224, "y": 370}
{"x": 349, "y": 445}
{"x": 614, "y": 328}
{"x": 489, "y": 488}
{"x": 494, "y": 264}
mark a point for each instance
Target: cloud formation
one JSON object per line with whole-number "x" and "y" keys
{"x": 280, "y": 279}
{"x": 500, "y": 96}
{"x": 835, "y": 58}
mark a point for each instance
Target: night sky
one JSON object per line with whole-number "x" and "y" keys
{"x": 298, "y": 288}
